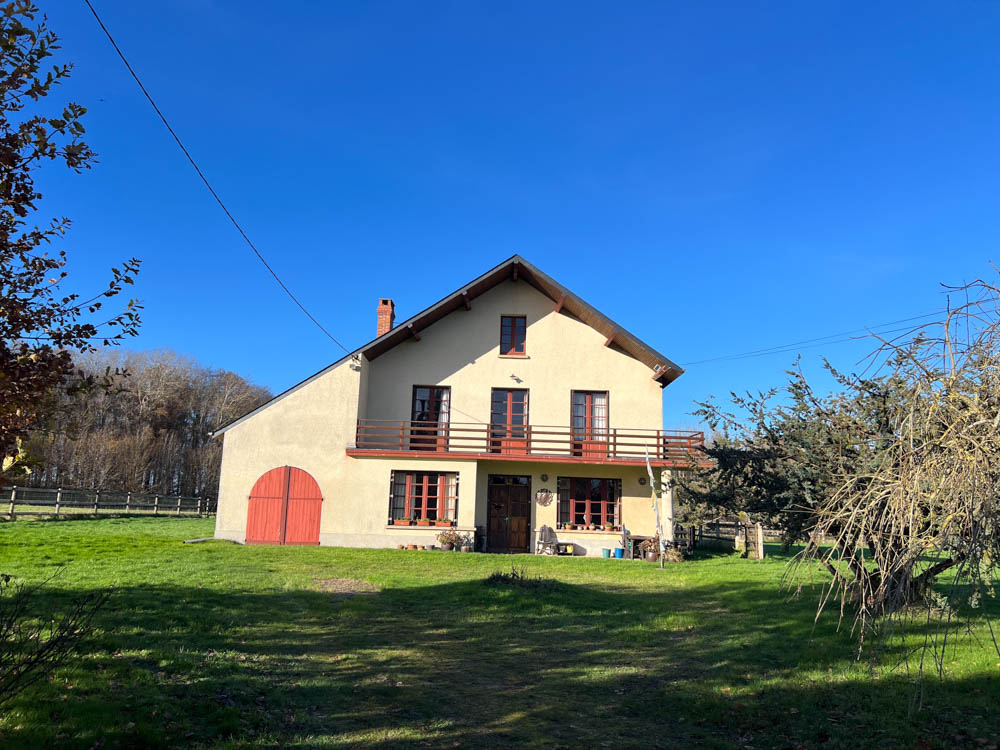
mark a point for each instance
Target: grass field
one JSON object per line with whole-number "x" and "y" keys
{"x": 226, "y": 646}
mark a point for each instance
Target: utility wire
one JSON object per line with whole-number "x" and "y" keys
{"x": 208, "y": 185}
{"x": 822, "y": 340}
{"x": 778, "y": 349}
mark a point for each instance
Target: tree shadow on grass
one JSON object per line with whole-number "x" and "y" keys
{"x": 464, "y": 664}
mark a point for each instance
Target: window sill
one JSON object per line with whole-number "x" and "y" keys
{"x": 414, "y": 527}
{"x": 513, "y": 356}
{"x": 589, "y": 531}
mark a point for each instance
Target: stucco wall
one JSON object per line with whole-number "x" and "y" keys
{"x": 463, "y": 351}
{"x": 637, "y": 509}
{"x": 311, "y": 427}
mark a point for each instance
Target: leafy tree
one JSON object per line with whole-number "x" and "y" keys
{"x": 926, "y": 501}
{"x": 892, "y": 480}
{"x": 775, "y": 461}
{"x": 41, "y": 324}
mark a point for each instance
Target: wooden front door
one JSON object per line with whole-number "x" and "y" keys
{"x": 284, "y": 508}
{"x": 509, "y": 420}
{"x": 509, "y": 513}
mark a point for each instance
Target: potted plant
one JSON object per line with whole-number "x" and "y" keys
{"x": 450, "y": 539}
{"x": 466, "y": 543}
{"x": 443, "y": 521}
{"x": 401, "y": 522}
{"x": 650, "y": 547}
{"x": 609, "y": 527}
{"x": 424, "y": 522}
{"x": 411, "y": 546}
{"x": 571, "y": 526}
{"x": 400, "y": 546}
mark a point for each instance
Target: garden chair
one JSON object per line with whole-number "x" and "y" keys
{"x": 547, "y": 543}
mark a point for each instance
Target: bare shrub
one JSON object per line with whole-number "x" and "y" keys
{"x": 928, "y": 501}
{"x": 32, "y": 646}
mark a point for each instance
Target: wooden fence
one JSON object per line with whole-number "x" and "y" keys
{"x": 729, "y": 533}
{"x": 730, "y": 530}
{"x": 38, "y": 501}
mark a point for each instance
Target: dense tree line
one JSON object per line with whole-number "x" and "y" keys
{"x": 149, "y": 432}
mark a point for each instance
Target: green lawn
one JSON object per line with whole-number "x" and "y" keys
{"x": 226, "y": 646}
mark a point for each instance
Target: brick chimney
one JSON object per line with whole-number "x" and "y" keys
{"x": 386, "y": 316}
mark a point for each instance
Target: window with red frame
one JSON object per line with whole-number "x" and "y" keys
{"x": 513, "y": 329}
{"x": 423, "y": 494}
{"x": 584, "y": 501}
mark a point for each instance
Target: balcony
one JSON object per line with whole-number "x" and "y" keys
{"x": 471, "y": 440}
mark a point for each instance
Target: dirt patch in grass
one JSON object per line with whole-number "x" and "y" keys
{"x": 344, "y": 586}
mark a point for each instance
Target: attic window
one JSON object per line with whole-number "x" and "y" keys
{"x": 512, "y": 334}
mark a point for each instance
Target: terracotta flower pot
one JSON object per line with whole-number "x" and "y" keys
{"x": 651, "y": 557}
{"x": 400, "y": 522}
{"x": 400, "y": 546}
{"x": 442, "y": 523}
{"x": 447, "y": 547}
{"x": 424, "y": 522}
{"x": 466, "y": 548}
{"x": 411, "y": 546}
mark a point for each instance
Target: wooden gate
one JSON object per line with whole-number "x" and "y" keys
{"x": 284, "y": 508}
{"x": 509, "y": 513}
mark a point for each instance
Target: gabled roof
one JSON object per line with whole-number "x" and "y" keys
{"x": 515, "y": 267}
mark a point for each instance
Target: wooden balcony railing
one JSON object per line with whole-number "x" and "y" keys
{"x": 677, "y": 447}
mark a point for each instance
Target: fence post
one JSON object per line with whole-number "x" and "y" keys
{"x": 691, "y": 538}
{"x": 760, "y": 541}
{"x": 13, "y": 499}
{"x": 128, "y": 503}
{"x": 58, "y": 500}
{"x": 97, "y": 501}
{"x": 199, "y": 507}
{"x": 156, "y": 504}
{"x": 178, "y": 505}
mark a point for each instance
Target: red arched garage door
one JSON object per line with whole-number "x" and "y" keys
{"x": 284, "y": 508}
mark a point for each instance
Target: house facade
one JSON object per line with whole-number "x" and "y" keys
{"x": 508, "y": 405}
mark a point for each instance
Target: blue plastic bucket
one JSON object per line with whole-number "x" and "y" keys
{"x": 606, "y": 552}
{"x": 619, "y": 553}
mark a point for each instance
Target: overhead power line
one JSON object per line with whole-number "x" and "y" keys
{"x": 208, "y": 185}
{"x": 837, "y": 338}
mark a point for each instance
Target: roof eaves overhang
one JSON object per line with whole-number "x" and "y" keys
{"x": 515, "y": 267}
{"x": 664, "y": 369}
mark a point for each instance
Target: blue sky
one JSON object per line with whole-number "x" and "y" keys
{"x": 717, "y": 177}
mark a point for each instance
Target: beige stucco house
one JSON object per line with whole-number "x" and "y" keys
{"x": 508, "y": 405}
